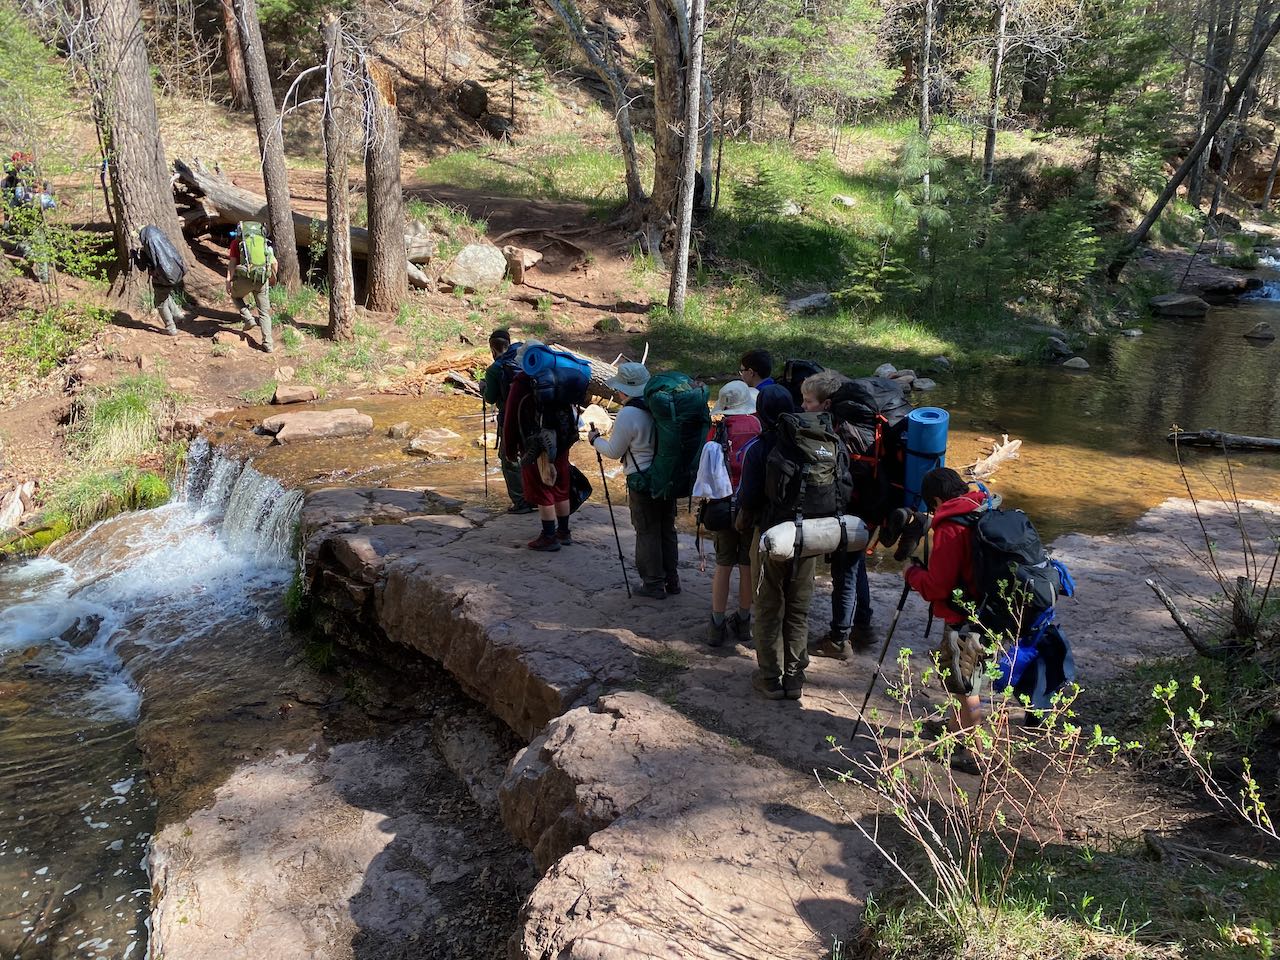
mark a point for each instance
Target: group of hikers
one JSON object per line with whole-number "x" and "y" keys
{"x": 790, "y": 472}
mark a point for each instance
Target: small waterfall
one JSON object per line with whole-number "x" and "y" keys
{"x": 260, "y": 516}
{"x": 1270, "y": 289}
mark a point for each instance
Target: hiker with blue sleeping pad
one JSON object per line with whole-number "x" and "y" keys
{"x": 497, "y": 385}
{"x": 251, "y": 269}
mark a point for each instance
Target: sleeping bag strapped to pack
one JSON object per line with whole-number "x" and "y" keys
{"x": 818, "y": 536}
{"x": 558, "y": 376}
{"x": 681, "y": 421}
{"x": 255, "y": 252}
{"x": 871, "y": 418}
{"x": 795, "y": 373}
{"x": 806, "y": 474}
{"x": 161, "y": 256}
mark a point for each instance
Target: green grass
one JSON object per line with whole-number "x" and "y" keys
{"x": 35, "y": 342}
{"x": 96, "y": 495}
{"x": 260, "y": 394}
{"x": 120, "y": 423}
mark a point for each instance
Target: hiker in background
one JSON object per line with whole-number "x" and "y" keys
{"x": 251, "y": 269}
{"x": 756, "y": 368}
{"x": 538, "y": 436}
{"x": 737, "y": 405}
{"x": 157, "y": 255}
{"x": 497, "y": 385}
{"x": 632, "y": 441}
{"x": 850, "y": 588}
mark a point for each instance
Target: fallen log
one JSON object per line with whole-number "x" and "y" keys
{"x": 1220, "y": 441}
{"x": 601, "y": 373}
{"x": 224, "y": 202}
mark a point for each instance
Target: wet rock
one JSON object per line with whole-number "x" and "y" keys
{"x": 813, "y": 303}
{"x": 1075, "y": 363}
{"x": 478, "y": 266}
{"x": 886, "y": 370}
{"x": 398, "y": 431}
{"x": 82, "y": 632}
{"x": 472, "y": 99}
{"x": 1261, "y": 331}
{"x": 294, "y": 393}
{"x": 1058, "y": 348}
{"x": 317, "y": 425}
{"x": 923, "y": 383}
{"x": 1131, "y": 332}
{"x": 437, "y": 443}
{"x": 940, "y": 364}
{"x": 1178, "y": 305}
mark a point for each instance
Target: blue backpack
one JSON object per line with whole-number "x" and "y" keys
{"x": 560, "y": 378}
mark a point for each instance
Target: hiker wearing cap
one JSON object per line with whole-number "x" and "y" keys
{"x": 538, "y": 436}
{"x": 497, "y": 385}
{"x": 632, "y": 441}
{"x": 739, "y": 426}
{"x": 756, "y": 368}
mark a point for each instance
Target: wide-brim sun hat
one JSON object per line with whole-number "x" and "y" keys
{"x": 629, "y": 380}
{"x": 735, "y": 398}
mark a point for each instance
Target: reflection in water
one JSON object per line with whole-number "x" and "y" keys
{"x": 76, "y": 634}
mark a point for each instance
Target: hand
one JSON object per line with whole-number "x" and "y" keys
{"x": 593, "y": 435}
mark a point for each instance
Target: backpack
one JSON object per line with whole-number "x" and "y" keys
{"x": 681, "y": 421}
{"x": 871, "y": 416}
{"x": 161, "y": 256}
{"x": 559, "y": 378}
{"x": 795, "y": 373}
{"x": 255, "y": 253}
{"x": 508, "y": 367}
{"x": 806, "y": 474}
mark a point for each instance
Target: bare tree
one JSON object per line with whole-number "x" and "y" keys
{"x": 999, "y": 41}
{"x": 684, "y": 223}
{"x": 231, "y": 52}
{"x": 336, "y": 128}
{"x": 387, "y": 284}
{"x": 270, "y": 142}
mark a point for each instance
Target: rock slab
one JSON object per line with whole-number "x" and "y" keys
{"x": 1261, "y": 331}
{"x": 1179, "y": 305}
{"x": 317, "y": 425}
{"x": 294, "y": 393}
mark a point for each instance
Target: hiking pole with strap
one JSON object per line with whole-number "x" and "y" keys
{"x": 884, "y": 650}
{"x": 484, "y": 427}
{"x": 604, "y": 482}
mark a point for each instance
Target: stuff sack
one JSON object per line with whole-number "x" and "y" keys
{"x": 681, "y": 421}
{"x": 817, "y": 537}
{"x": 871, "y": 417}
{"x": 559, "y": 378}
{"x": 255, "y": 253}
{"x": 806, "y": 474}
{"x": 579, "y": 489}
{"x": 162, "y": 257}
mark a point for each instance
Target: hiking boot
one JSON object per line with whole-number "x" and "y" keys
{"x": 565, "y": 539}
{"x": 519, "y": 509}
{"x": 834, "y": 646}
{"x": 717, "y": 633}
{"x": 673, "y": 586}
{"x": 544, "y": 543}
{"x": 741, "y": 630}
{"x": 771, "y": 689}
{"x": 862, "y": 637}
{"x": 655, "y": 591}
{"x": 793, "y": 687}
{"x": 250, "y": 321}
{"x": 171, "y": 330}
{"x": 268, "y": 346}
{"x": 962, "y": 761}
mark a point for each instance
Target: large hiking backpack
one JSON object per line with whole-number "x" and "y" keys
{"x": 162, "y": 256}
{"x": 795, "y": 373}
{"x": 559, "y": 378}
{"x": 508, "y": 367}
{"x": 871, "y": 417}
{"x": 806, "y": 474}
{"x": 255, "y": 253}
{"x": 681, "y": 421}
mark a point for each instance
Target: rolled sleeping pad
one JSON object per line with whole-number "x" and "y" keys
{"x": 926, "y": 450}
{"x": 821, "y": 536}
{"x": 559, "y": 375}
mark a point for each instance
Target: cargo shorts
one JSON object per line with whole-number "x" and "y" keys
{"x": 733, "y": 549}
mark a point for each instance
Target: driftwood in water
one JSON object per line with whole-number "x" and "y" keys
{"x": 224, "y": 202}
{"x": 1219, "y": 440}
{"x": 1001, "y": 450}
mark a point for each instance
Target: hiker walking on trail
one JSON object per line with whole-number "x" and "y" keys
{"x": 251, "y": 269}
{"x": 734, "y": 433}
{"x": 537, "y": 435}
{"x": 164, "y": 265}
{"x": 497, "y": 385}
{"x": 756, "y": 369}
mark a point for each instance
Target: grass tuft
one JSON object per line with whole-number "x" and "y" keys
{"x": 122, "y": 422}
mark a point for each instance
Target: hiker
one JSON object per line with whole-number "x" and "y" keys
{"x": 632, "y": 441}
{"x": 157, "y": 255}
{"x": 794, "y": 471}
{"x": 251, "y": 269}
{"x": 497, "y": 385}
{"x": 22, "y": 206}
{"x": 756, "y": 369}
{"x": 850, "y": 588}
{"x": 961, "y": 652}
{"x": 739, "y": 426}
{"x": 538, "y": 435}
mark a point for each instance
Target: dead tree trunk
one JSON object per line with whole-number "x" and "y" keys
{"x": 236, "y": 77}
{"x": 126, "y": 107}
{"x": 387, "y": 282}
{"x": 669, "y": 62}
{"x": 1271, "y": 180}
{"x": 336, "y": 128}
{"x": 270, "y": 142}
{"x": 684, "y": 224}
{"x": 993, "y": 96}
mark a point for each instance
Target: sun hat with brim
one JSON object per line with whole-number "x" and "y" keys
{"x": 630, "y": 379}
{"x": 735, "y": 398}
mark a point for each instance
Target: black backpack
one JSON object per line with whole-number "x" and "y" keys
{"x": 161, "y": 257}
{"x": 795, "y": 373}
{"x": 806, "y": 474}
{"x": 871, "y": 417}
{"x": 508, "y": 367}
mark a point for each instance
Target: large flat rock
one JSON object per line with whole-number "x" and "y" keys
{"x": 303, "y": 425}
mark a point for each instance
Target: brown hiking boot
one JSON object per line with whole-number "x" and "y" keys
{"x": 544, "y": 543}
{"x": 834, "y": 648}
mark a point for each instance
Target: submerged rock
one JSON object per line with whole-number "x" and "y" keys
{"x": 1059, "y": 348}
{"x": 1262, "y": 331}
{"x": 1178, "y": 305}
{"x": 1075, "y": 363}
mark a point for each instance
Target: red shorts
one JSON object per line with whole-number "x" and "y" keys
{"x": 537, "y": 492}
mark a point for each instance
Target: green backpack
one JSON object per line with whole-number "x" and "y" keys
{"x": 681, "y": 423}
{"x": 255, "y": 253}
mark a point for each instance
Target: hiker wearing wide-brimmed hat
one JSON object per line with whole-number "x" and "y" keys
{"x": 736, "y": 404}
{"x": 632, "y": 440}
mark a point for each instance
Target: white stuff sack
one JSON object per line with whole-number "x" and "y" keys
{"x": 821, "y": 536}
{"x": 713, "y": 474}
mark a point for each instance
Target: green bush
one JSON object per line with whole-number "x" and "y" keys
{"x": 94, "y": 496}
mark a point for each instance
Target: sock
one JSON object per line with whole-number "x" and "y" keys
{"x": 548, "y": 528}
{"x": 562, "y": 524}
{"x": 744, "y": 614}
{"x": 717, "y": 618}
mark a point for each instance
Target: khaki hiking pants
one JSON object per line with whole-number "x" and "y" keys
{"x": 241, "y": 288}
{"x": 781, "y": 614}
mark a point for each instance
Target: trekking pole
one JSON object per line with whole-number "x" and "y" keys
{"x": 484, "y": 427}
{"x": 902, "y": 602}
{"x": 604, "y": 482}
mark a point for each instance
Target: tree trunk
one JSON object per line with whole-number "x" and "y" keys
{"x": 693, "y": 92}
{"x": 240, "y": 99}
{"x": 1271, "y": 180}
{"x": 1197, "y": 150}
{"x": 746, "y": 102}
{"x": 336, "y": 127}
{"x": 993, "y": 96}
{"x": 126, "y": 108}
{"x": 669, "y": 63}
{"x": 926, "y": 118}
{"x": 270, "y": 143}
{"x": 1243, "y": 112}
{"x": 387, "y": 284}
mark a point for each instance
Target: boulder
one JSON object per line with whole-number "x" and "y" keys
{"x": 813, "y": 303}
{"x": 597, "y": 416}
{"x": 472, "y": 99}
{"x": 498, "y": 127}
{"x": 886, "y": 370}
{"x": 1059, "y": 348}
{"x": 1178, "y": 305}
{"x": 459, "y": 59}
{"x": 519, "y": 259}
{"x": 294, "y": 393}
{"x": 284, "y": 374}
{"x": 940, "y": 364}
{"x": 1131, "y": 332}
{"x": 844, "y": 200}
{"x": 478, "y": 266}
{"x": 608, "y": 324}
{"x": 1075, "y": 363}
{"x": 923, "y": 383}
{"x": 398, "y": 431}
{"x": 437, "y": 443}
{"x": 317, "y": 425}
{"x": 902, "y": 375}
{"x": 1226, "y": 221}
{"x": 226, "y": 338}
{"x": 1262, "y": 331}
{"x": 15, "y": 504}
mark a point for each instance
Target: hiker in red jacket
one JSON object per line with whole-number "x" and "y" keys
{"x": 961, "y": 654}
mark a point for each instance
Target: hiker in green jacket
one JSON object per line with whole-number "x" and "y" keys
{"x": 497, "y": 386}
{"x": 251, "y": 269}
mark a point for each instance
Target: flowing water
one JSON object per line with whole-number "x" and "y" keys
{"x": 80, "y": 633}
